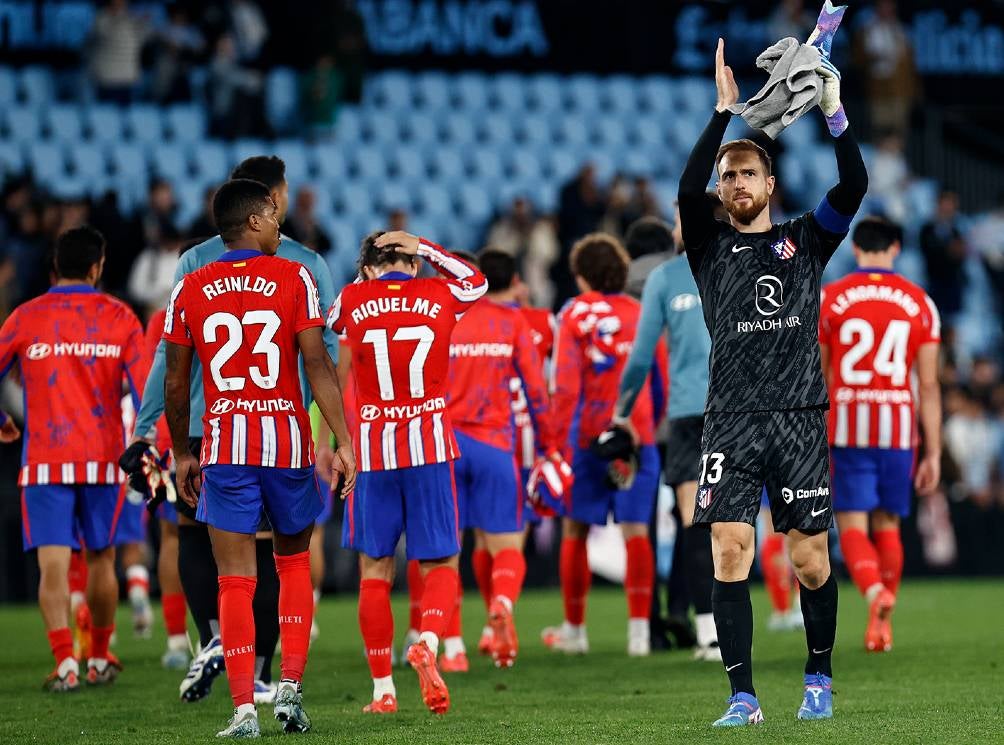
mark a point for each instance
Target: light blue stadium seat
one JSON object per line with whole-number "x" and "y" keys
{"x": 524, "y": 165}
{"x": 610, "y": 132}
{"x": 619, "y": 93}
{"x": 506, "y": 92}
{"x": 8, "y": 86}
{"x": 496, "y": 130}
{"x": 36, "y": 85}
{"x": 187, "y": 122}
{"x": 420, "y": 129}
{"x": 435, "y": 200}
{"x": 607, "y": 166}
{"x": 11, "y": 158}
{"x": 544, "y": 93}
{"x": 582, "y": 93}
{"x": 368, "y": 164}
{"x": 324, "y": 199}
{"x": 447, "y": 164}
{"x": 696, "y": 95}
{"x": 802, "y": 132}
{"x": 922, "y": 195}
{"x": 351, "y": 197}
{"x": 639, "y": 162}
{"x": 684, "y": 131}
{"x": 103, "y": 123}
{"x": 407, "y": 164}
{"x": 246, "y": 148}
{"x": 87, "y": 160}
{"x": 791, "y": 172}
{"x": 470, "y": 92}
{"x": 189, "y": 195}
{"x": 571, "y": 130}
{"x": 474, "y": 202}
{"x": 561, "y": 164}
{"x": 381, "y": 128}
{"x": 390, "y": 90}
{"x": 22, "y": 124}
{"x": 129, "y": 162}
{"x": 47, "y": 162}
{"x": 348, "y": 127}
{"x": 213, "y": 162}
{"x": 656, "y": 94}
{"x": 486, "y": 163}
{"x": 393, "y": 195}
{"x": 282, "y": 98}
{"x": 68, "y": 187}
{"x": 169, "y": 160}
{"x": 457, "y": 128}
{"x": 648, "y": 131}
{"x": 144, "y": 123}
{"x": 329, "y": 162}
{"x": 431, "y": 91}
{"x": 294, "y": 154}
{"x": 534, "y": 130}
{"x": 64, "y": 123}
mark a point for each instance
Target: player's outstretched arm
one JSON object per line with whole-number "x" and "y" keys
{"x": 177, "y": 409}
{"x": 323, "y": 378}
{"x": 929, "y": 390}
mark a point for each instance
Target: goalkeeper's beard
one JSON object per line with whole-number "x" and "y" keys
{"x": 747, "y": 213}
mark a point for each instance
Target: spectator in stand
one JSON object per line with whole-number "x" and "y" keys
{"x": 320, "y": 95}
{"x": 301, "y": 223}
{"x": 152, "y": 278}
{"x": 158, "y": 217}
{"x": 177, "y": 46}
{"x": 116, "y": 44}
{"x": 646, "y": 244}
{"x": 532, "y": 241}
{"x": 235, "y": 92}
{"x": 987, "y": 239}
{"x": 889, "y": 177}
{"x": 944, "y": 249}
{"x": 581, "y": 206}
{"x": 397, "y": 219}
{"x": 204, "y": 226}
{"x": 791, "y": 19}
{"x": 883, "y": 54}
{"x": 248, "y": 28}
{"x": 124, "y": 240}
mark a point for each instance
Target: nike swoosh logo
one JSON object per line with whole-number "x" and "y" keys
{"x": 728, "y": 669}
{"x": 817, "y": 513}
{"x": 737, "y": 248}
{"x": 817, "y": 651}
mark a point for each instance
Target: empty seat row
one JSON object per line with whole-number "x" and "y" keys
{"x": 71, "y": 123}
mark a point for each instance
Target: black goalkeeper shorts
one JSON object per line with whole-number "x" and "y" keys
{"x": 786, "y": 451}
{"x": 683, "y": 450}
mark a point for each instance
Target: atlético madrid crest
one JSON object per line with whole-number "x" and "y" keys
{"x": 704, "y": 497}
{"x": 784, "y": 248}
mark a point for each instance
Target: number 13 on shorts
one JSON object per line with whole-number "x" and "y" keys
{"x": 711, "y": 468}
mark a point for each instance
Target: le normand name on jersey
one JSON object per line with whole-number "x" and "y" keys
{"x": 377, "y": 306}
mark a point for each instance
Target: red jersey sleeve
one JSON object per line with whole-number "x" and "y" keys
{"x": 824, "y": 319}
{"x": 466, "y": 282}
{"x": 175, "y": 329}
{"x": 932, "y": 321}
{"x": 306, "y": 302}
{"x": 10, "y": 334}
{"x": 529, "y": 368}
{"x": 566, "y": 380}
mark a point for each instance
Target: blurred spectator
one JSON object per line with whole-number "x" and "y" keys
{"x": 152, "y": 278}
{"x": 791, "y": 19}
{"x": 884, "y": 56}
{"x": 203, "y": 226}
{"x": 115, "y": 44}
{"x": 320, "y": 93}
{"x": 581, "y": 206}
{"x": 124, "y": 239}
{"x": 973, "y": 441}
{"x": 645, "y": 241}
{"x": 533, "y": 242}
{"x": 397, "y": 219}
{"x": 944, "y": 252}
{"x": 301, "y": 223}
{"x": 248, "y": 28}
{"x": 177, "y": 47}
{"x": 26, "y": 248}
{"x": 889, "y": 176}
{"x": 235, "y": 94}
{"x": 350, "y": 49}
{"x": 987, "y": 239}
{"x": 157, "y": 218}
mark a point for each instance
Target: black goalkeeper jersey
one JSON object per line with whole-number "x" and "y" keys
{"x": 760, "y": 293}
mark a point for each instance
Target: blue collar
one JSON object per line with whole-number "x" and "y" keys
{"x": 874, "y": 270}
{"x": 65, "y": 289}
{"x": 395, "y": 276}
{"x": 240, "y": 254}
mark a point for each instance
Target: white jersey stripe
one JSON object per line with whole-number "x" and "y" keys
{"x": 110, "y": 474}
{"x": 389, "y": 445}
{"x": 905, "y": 427}
{"x": 214, "y": 439}
{"x": 840, "y": 436}
{"x": 268, "y": 441}
{"x": 239, "y": 440}
{"x": 438, "y": 436}
{"x": 296, "y": 444}
{"x": 935, "y": 317}
{"x": 415, "y": 445}
{"x": 862, "y": 426}
{"x": 43, "y": 473}
{"x": 885, "y": 426}
{"x": 364, "y": 446}
{"x": 313, "y": 302}
{"x": 169, "y": 318}
{"x": 67, "y": 473}
{"x": 91, "y": 472}
{"x": 25, "y": 475}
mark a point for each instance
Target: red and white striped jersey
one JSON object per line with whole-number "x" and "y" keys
{"x": 873, "y": 321}
{"x": 542, "y": 324}
{"x": 242, "y": 313}
{"x": 76, "y": 348}
{"x": 398, "y": 328}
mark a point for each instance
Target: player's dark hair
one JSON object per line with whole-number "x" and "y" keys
{"x": 268, "y": 169}
{"x": 77, "y": 250}
{"x": 601, "y": 260}
{"x": 370, "y": 255}
{"x": 876, "y": 234}
{"x": 648, "y": 235}
{"x": 498, "y": 267}
{"x": 235, "y": 202}
{"x": 747, "y": 146}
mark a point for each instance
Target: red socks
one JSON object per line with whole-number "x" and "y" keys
{"x": 575, "y": 579}
{"x": 61, "y": 644}
{"x": 861, "y": 559}
{"x": 639, "y": 576}
{"x": 508, "y": 573}
{"x": 776, "y": 574}
{"x": 890, "y": 555}
{"x": 100, "y": 637}
{"x": 455, "y": 626}
{"x": 439, "y": 599}
{"x": 415, "y": 586}
{"x": 174, "y": 609}
{"x": 481, "y": 563}
{"x": 77, "y": 575}
{"x": 376, "y": 622}
{"x": 296, "y": 612}
{"x": 237, "y": 635}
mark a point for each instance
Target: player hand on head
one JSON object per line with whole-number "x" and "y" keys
{"x": 725, "y": 80}
{"x": 344, "y": 465}
{"x": 400, "y": 241}
{"x": 8, "y": 430}
{"x": 928, "y": 474}
{"x": 189, "y": 477}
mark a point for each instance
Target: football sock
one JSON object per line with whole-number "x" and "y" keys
{"x": 415, "y": 586}
{"x": 700, "y": 566}
{"x": 639, "y": 576}
{"x": 776, "y": 574}
{"x": 237, "y": 632}
{"x": 734, "y": 621}
{"x": 61, "y": 643}
{"x": 174, "y": 609}
{"x": 197, "y": 569}
{"x": 862, "y": 562}
{"x": 137, "y": 582}
{"x": 890, "y": 554}
{"x": 508, "y": 573}
{"x": 819, "y": 608}
{"x": 77, "y": 578}
{"x": 265, "y": 607}
{"x": 296, "y": 611}
{"x": 481, "y": 563}
{"x": 376, "y": 622}
{"x": 573, "y": 568}
{"x": 100, "y": 638}
{"x": 455, "y": 626}
{"x": 437, "y": 603}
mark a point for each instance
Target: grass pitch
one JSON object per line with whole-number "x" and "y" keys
{"x": 942, "y": 683}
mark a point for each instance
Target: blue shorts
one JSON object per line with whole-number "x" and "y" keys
{"x": 327, "y": 503}
{"x": 234, "y": 498}
{"x": 62, "y": 514}
{"x": 530, "y": 516}
{"x": 132, "y": 521}
{"x": 419, "y": 502}
{"x": 866, "y": 479}
{"x": 592, "y": 500}
{"x": 167, "y": 511}
{"x": 488, "y": 491}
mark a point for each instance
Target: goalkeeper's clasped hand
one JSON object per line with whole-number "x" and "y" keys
{"x": 148, "y": 474}
{"x": 550, "y": 472}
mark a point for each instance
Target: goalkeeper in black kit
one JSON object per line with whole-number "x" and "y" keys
{"x": 765, "y": 419}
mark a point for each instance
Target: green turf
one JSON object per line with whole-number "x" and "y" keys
{"x": 942, "y": 683}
